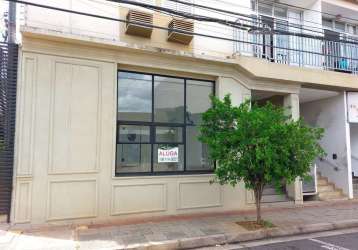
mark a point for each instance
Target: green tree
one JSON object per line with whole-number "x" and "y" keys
{"x": 258, "y": 145}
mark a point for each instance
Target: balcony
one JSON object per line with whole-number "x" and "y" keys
{"x": 298, "y": 49}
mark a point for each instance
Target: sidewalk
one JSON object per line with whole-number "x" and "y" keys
{"x": 186, "y": 231}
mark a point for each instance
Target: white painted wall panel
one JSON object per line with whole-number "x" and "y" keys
{"x": 75, "y": 120}
{"x": 139, "y": 198}
{"x": 198, "y": 194}
{"x": 70, "y": 199}
{"x": 27, "y": 94}
{"x": 23, "y": 204}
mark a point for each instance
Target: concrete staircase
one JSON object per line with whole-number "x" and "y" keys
{"x": 270, "y": 195}
{"x": 355, "y": 187}
{"x": 328, "y": 191}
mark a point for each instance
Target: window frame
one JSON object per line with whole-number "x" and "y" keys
{"x": 152, "y": 128}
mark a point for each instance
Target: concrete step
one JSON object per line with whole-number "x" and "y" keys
{"x": 325, "y": 188}
{"x": 274, "y": 198}
{"x": 335, "y": 199}
{"x": 269, "y": 191}
{"x": 288, "y": 203}
{"x": 330, "y": 195}
{"x": 355, "y": 194}
{"x": 322, "y": 181}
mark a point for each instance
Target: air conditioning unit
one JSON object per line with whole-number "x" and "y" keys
{"x": 176, "y": 25}
{"x": 135, "y": 20}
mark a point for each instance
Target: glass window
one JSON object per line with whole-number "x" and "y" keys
{"x": 280, "y": 12}
{"x": 340, "y": 26}
{"x": 196, "y": 152}
{"x": 133, "y": 133}
{"x": 168, "y": 99}
{"x": 133, "y": 158}
{"x": 351, "y": 29}
{"x": 169, "y": 134}
{"x": 134, "y": 97}
{"x": 265, "y": 7}
{"x": 197, "y": 101}
{"x": 157, "y": 132}
{"x": 327, "y": 23}
{"x": 168, "y": 157}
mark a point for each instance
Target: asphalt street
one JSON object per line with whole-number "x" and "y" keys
{"x": 346, "y": 239}
{"x": 337, "y": 242}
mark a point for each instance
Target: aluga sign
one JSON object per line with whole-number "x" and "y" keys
{"x": 168, "y": 154}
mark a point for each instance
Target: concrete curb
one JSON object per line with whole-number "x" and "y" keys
{"x": 219, "y": 239}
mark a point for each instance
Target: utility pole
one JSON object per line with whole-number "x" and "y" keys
{"x": 12, "y": 22}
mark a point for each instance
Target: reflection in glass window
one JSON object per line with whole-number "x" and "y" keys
{"x": 340, "y": 26}
{"x": 133, "y": 158}
{"x": 280, "y": 12}
{"x": 265, "y": 7}
{"x": 168, "y": 99}
{"x": 157, "y": 124}
{"x": 134, "y": 96}
{"x": 197, "y": 100}
{"x": 196, "y": 152}
{"x": 169, "y": 134}
{"x": 133, "y": 133}
{"x": 327, "y": 23}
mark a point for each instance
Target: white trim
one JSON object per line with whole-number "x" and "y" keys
{"x": 348, "y": 147}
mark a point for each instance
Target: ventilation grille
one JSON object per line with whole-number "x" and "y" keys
{"x": 177, "y": 25}
{"x": 8, "y": 80}
{"x": 139, "y": 23}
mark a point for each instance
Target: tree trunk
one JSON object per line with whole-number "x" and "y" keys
{"x": 258, "y": 196}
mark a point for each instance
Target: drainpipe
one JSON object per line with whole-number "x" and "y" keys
{"x": 12, "y": 23}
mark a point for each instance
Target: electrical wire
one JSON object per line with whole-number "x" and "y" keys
{"x": 225, "y": 22}
{"x": 123, "y": 20}
{"x": 156, "y": 26}
{"x": 287, "y": 24}
{"x": 249, "y": 8}
{"x": 248, "y": 18}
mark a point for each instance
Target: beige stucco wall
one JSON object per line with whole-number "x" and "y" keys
{"x": 66, "y": 120}
{"x": 65, "y": 145}
{"x": 58, "y": 181}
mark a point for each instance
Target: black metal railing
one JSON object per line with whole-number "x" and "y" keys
{"x": 8, "y": 83}
{"x": 304, "y": 50}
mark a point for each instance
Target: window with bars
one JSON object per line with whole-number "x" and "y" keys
{"x": 157, "y": 124}
{"x": 179, "y": 6}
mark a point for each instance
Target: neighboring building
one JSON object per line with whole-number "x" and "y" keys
{"x": 108, "y": 113}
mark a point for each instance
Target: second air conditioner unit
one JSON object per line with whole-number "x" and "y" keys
{"x": 175, "y": 26}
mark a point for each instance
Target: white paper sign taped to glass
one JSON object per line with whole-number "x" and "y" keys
{"x": 168, "y": 154}
{"x": 352, "y": 106}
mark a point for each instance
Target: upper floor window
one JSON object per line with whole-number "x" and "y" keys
{"x": 340, "y": 26}
{"x": 179, "y": 6}
{"x": 157, "y": 124}
{"x": 289, "y": 18}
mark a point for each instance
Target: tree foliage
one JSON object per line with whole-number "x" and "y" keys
{"x": 258, "y": 145}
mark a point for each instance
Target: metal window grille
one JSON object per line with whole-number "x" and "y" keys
{"x": 8, "y": 79}
{"x": 335, "y": 55}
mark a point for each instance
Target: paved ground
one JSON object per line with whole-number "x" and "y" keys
{"x": 121, "y": 235}
{"x": 334, "y": 240}
{"x": 340, "y": 242}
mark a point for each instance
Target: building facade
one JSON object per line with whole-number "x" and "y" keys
{"x": 108, "y": 110}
